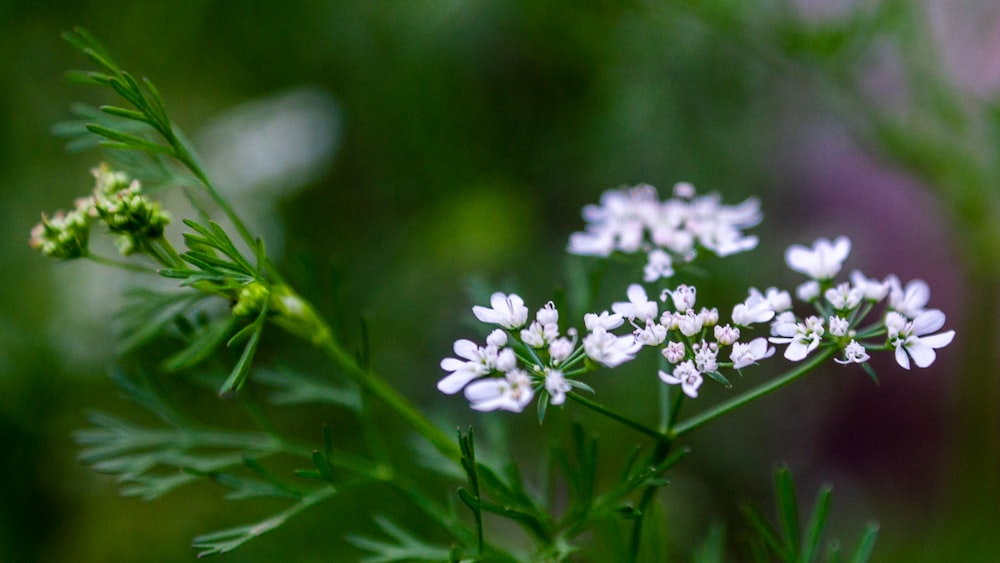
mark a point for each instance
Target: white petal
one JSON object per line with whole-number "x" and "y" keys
{"x": 636, "y": 294}
{"x": 927, "y": 322}
{"x": 922, "y": 354}
{"x": 939, "y": 340}
{"x": 454, "y": 382}
{"x": 796, "y": 351}
{"x": 901, "y": 358}
{"x": 799, "y": 258}
{"x": 467, "y": 349}
{"x": 667, "y": 378}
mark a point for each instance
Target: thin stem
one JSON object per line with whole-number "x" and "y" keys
{"x": 597, "y": 407}
{"x": 744, "y": 398}
{"x": 105, "y": 261}
{"x": 390, "y": 396}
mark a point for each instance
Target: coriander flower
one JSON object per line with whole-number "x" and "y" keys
{"x": 606, "y": 320}
{"x": 505, "y": 310}
{"x": 686, "y": 375}
{"x": 745, "y": 354}
{"x": 843, "y": 297}
{"x": 822, "y": 261}
{"x": 872, "y": 289}
{"x": 638, "y": 307}
{"x": 913, "y": 339}
{"x": 802, "y": 338}
{"x": 608, "y": 349}
{"x": 683, "y": 297}
{"x": 510, "y": 393}
{"x": 854, "y": 353}
{"x": 674, "y": 352}
{"x": 472, "y": 362}
{"x": 557, "y": 386}
{"x": 909, "y": 301}
{"x": 755, "y": 309}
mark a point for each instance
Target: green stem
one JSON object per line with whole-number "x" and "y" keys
{"x": 105, "y": 261}
{"x": 390, "y": 396}
{"x": 744, "y": 398}
{"x": 597, "y": 407}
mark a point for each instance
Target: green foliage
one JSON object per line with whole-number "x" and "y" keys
{"x": 788, "y": 544}
{"x": 403, "y": 547}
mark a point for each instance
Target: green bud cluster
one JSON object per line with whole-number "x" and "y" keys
{"x": 251, "y": 299}
{"x": 126, "y": 211}
{"x": 64, "y": 235}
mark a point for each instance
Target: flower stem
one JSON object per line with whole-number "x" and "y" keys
{"x": 660, "y": 436}
{"x": 744, "y": 398}
{"x": 105, "y": 261}
{"x": 390, "y": 396}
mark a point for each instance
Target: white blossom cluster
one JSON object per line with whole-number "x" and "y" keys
{"x": 634, "y": 220}
{"x": 692, "y": 340}
{"x": 522, "y": 358}
{"x": 906, "y": 325}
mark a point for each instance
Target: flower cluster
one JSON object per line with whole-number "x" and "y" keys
{"x": 126, "y": 211}
{"x": 691, "y": 340}
{"x": 522, "y": 359}
{"x": 905, "y": 326}
{"x": 118, "y": 202}
{"x": 635, "y": 220}
{"x": 65, "y": 234}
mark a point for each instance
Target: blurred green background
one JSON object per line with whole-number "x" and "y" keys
{"x": 451, "y": 141}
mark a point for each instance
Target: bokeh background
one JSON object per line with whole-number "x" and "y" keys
{"x": 417, "y": 149}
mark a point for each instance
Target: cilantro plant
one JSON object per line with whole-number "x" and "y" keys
{"x": 221, "y": 291}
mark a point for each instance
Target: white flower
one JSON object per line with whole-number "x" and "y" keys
{"x": 802, "y": 338}
{"x": 854, "y": 353}
{"x": 674, "y": 352}
{"x": 687, "y": 375}
{"x": 807, "y": 291}
{"x": 653, "y": 334}
{"x": 548, "y": 314}
{"x": 608, "y": 349}
{"x": 727, "y": 334}
{"x": 844, "y": 297}
{"x": 477, "y": 362}
{"x": 511, "y": 393}
{"x": 781, "y": 323}
{"x": 638, "y": 307}
{"x": 560, "y": 349}
{"x": 872, "y": 289}
{"x": 838, "y": 326}
{"x": 688, "y": 323}
{"x": 822, "y": 261}
{"x": 592, "y": 243}
{"x": 745, "y": 354}
{"x": 506, "y": 361}
{"x": 683, "y": 297}
{"x": 507, "y": 311}
{"x": 708, "y": 317}
{"x": 497, "y": 339}
{"x": 909, "y": 301}
{"x": 557, "y": 386}
{"x": 659, "y": 265}
{"x": 756, "y": 309}
{"x": 914, "y": 337}
{"x": 778, "y": 299}
{"x": 534, "y": 335}
{"x": 705, "y": 356}
{"x": 605, "y": 320}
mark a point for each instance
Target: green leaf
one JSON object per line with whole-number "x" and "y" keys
{"x": 404, "y": 546}
{"x": 295, "y": 389}
{"x": 817, "y": 522}
{"x": 242, "y": 369}
{"x": 867, "y": 544}
{"x": 200, "y": 346}
{"x": 227, "y": 540}
{"x": 125, "y": 141}
{"x": 466, "y": 444}
{"x": 713, "y": 548}
{"x": 788, "y": 507}
{"x": 720, "y": 378}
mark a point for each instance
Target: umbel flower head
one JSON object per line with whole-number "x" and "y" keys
{"x": 523, "y": 359}
{"x": 634, "y": 220}
{"x": 905, "y": 326}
